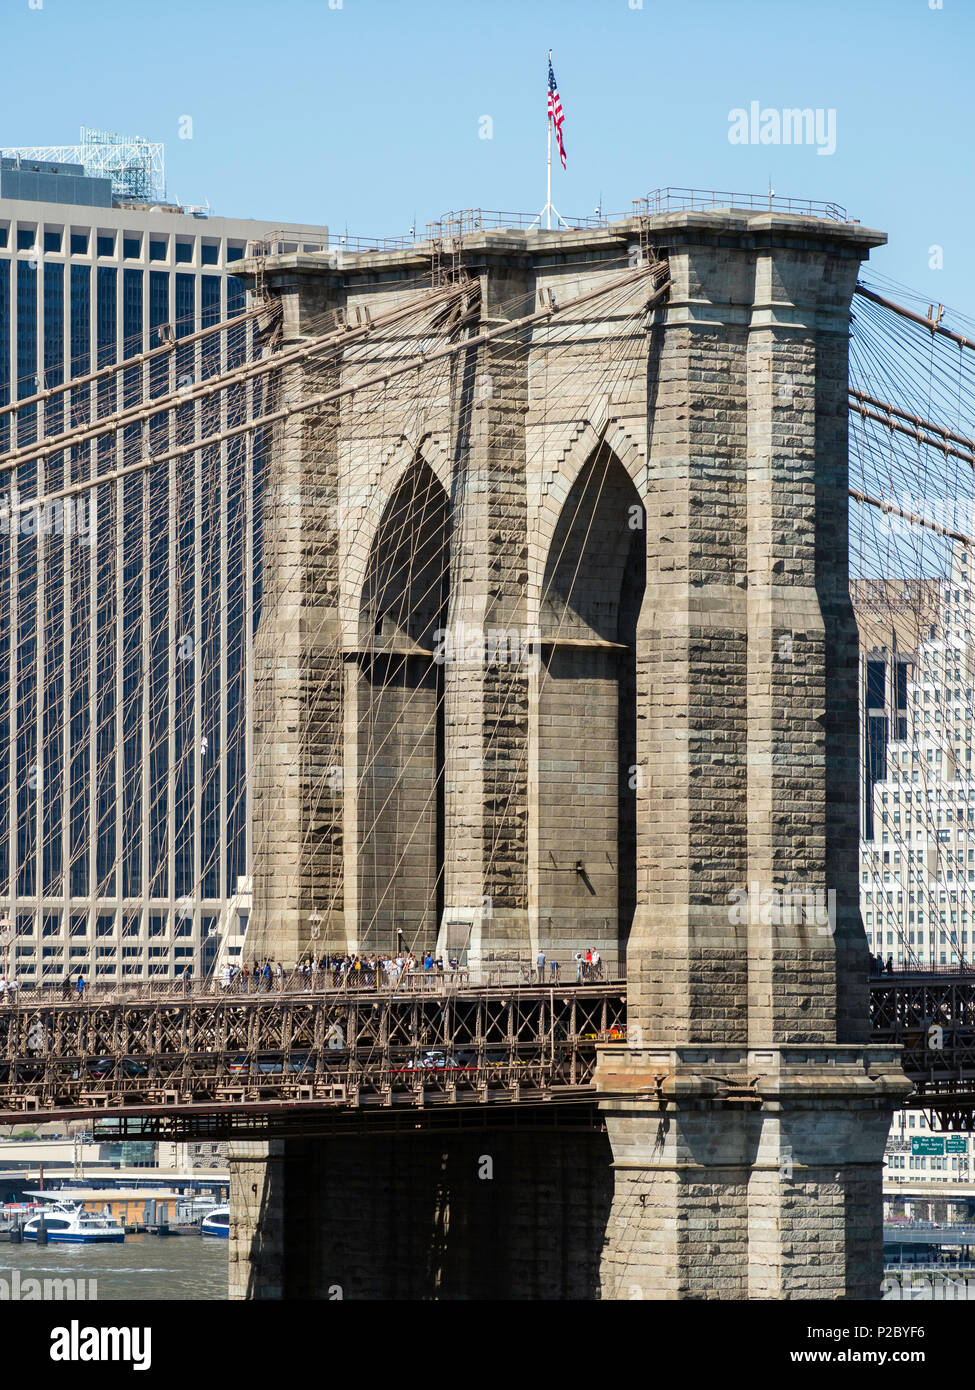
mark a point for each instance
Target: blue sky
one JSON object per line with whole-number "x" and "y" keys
{"x": 367, "y": 114}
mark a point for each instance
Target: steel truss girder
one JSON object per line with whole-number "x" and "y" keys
{"x": 353, "y": 1050}
{"x": 932, "y": 1018}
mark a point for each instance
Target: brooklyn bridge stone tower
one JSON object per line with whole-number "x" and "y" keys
{"x": 618, "y": 459}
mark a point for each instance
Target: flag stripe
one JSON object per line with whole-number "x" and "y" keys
{"x": 556, "y": 114}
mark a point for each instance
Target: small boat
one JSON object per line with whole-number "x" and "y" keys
{"x": 216, "y": 1223}
{"x": 67, "y": 1223}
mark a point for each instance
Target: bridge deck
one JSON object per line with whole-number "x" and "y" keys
{"x": 176, "y": 1060}
{"x": 209, "y": 1062}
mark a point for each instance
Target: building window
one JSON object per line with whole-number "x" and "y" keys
{"x": 157, "y": 250}
{"x": 132, "y": 247}
{"x": 80, "y": 366}
{"x": 52, "y": 243}
{"x": 184, "y": 253}
{"x": 105, "y": 245}
{"x": 209, "y": 255}
{"x": 79, "y": 243}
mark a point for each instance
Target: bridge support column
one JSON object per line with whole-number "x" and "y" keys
{"x": 747, "y": 1114}
{"x": 257, "y": 1208}
{"x": 747, "y": 1174}
{"x": 486, "y": 703}
{"x": 298, "y": 675}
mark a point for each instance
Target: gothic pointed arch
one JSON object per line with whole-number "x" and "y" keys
{"x": 398, "y": 710}
{"x": 588, "y": 774}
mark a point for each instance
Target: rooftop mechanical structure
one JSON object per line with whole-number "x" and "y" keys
{"x": 135, "y": 165}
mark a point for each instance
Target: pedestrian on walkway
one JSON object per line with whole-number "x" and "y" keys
{"x": 540, "y": 967}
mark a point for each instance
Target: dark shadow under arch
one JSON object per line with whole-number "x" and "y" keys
{"x": 588, "y": 772}
{"x": 399, "y": 720}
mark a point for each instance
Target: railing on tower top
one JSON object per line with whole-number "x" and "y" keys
{"x": 705, "y": 200}
{"x": 465, "y": 222}
{"x": 469, "y": 221}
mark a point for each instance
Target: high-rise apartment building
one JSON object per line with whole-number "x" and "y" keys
{"x": 127, "y": 613}
{"x": 917, "y": 848}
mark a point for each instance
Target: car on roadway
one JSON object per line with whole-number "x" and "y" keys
{"x": 270, "y": 1064}
{"x": 99, "y": 1068}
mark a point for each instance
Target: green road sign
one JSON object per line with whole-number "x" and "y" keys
{"x": 927, "y": 1146}
{"x": 956, "y": 1144}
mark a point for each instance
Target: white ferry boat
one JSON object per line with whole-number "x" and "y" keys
{"x": 216, "y": 1223}
{"x": 66, "y": 1222}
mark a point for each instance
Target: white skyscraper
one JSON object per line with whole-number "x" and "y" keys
{"x": 917, "y": 854}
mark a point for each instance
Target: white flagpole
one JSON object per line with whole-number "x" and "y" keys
{"x": 549, "y": 208}
{"x": 548, "y": 127}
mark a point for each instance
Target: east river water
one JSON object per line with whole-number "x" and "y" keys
{"x": 144, "y": 1267}
{"x": 148, "y": 1267}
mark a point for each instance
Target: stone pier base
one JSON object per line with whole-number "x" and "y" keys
{"x": 747, "y": 1173}
{"x": 257, "y": 1240}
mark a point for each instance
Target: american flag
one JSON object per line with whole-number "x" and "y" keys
{"x": 555, "y": 109}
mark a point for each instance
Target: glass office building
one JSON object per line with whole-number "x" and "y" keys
{"x": 127, "y": 612}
